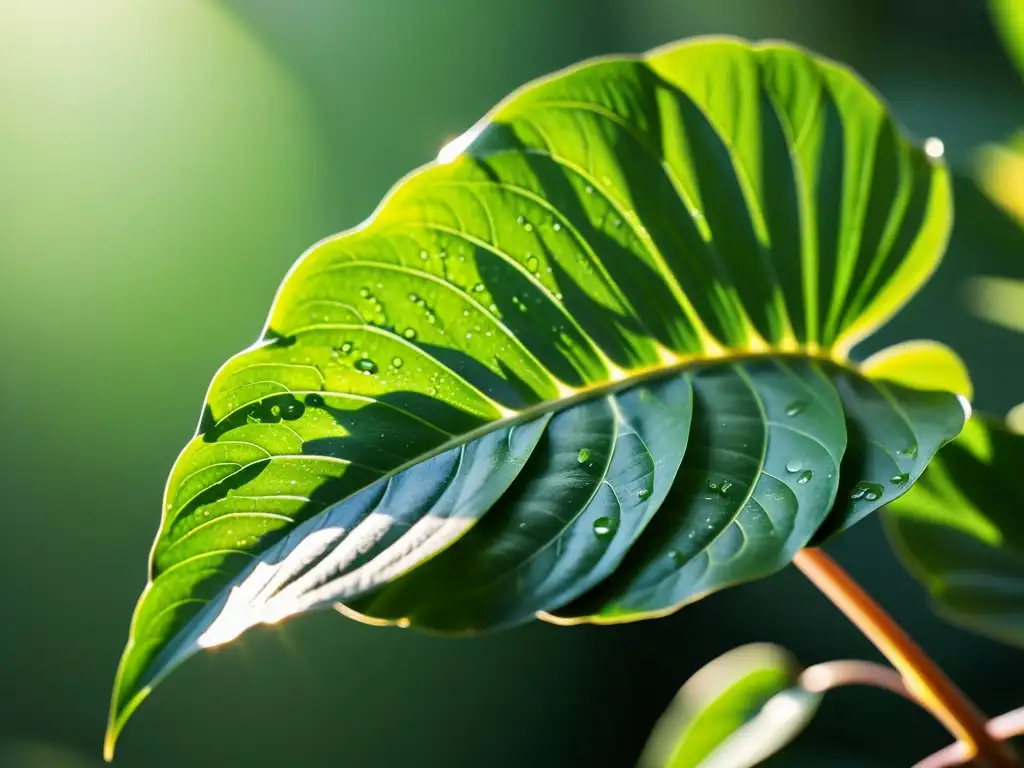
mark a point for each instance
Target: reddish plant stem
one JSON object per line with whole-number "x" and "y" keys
{"x": 1005, "y": 726}
{"x": 836, "y": 674}
{"x": 922, "y": 677}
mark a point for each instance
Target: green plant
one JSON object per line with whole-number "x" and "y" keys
{"x": 590, "y": 366}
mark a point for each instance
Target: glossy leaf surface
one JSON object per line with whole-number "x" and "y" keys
{"x": 735, "y": 712}
{"x": 590, "y": 365}
{"x": 960, "y": 530}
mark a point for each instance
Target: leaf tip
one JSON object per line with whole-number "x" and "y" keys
{"x": 119, "y": 714}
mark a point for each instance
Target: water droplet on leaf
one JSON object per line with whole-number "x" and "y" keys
{"x": 605, "y": 527}
{"x": 866, "y": 491}
{"x": 794, "y": 465}
{"x": 794, "y": 408}
{"x": 805, "y": 477}
{"x": 366, "y": 365}
{"x": 583, "y": 455}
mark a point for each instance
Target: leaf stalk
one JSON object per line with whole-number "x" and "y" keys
{"x": 922, "y": 677}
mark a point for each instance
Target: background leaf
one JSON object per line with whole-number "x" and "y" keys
{"x": 613, "y": 230}
{"x": 1008, "y": 17}
{"x": 735, "y": 712}
{"x": 960, "y": 530}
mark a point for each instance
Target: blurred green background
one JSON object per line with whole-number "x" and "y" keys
{"x": 163, "y": 162}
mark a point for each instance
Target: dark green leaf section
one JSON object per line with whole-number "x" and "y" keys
{"x": 960, "y": 530}
{"x": 760, "y": 475}
{"x": 894, "y": 431}
{"x": 735, "y": 712}
{"x": 777, "y": 449}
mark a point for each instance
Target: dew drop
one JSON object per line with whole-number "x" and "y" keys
{"x": 364, "y": 292}
{"x": 346, "y": 347}
{"x": 643, "y": 493}
{"x": 409, "y": 333}
{"x": 424, "y": 255}
{"x": 557, "y": 227}
{"x": 805, "y": 477}
{"x": 911, "y": 451}
{"x": 532, "y": 263}
{"x": 314, "y": 401}
{"x": 478, "y": 288}
{"x": 616, "y": 222}
{"x": 524, "y": 223}
{"x": 676, "y": 556}
{"x": 583, "y": 455}
{"x": 206, "y": 513}
{"x": 605, "y": 527}
{"x": 900, "y": 479}
{"x": 794, "y": 465}
{"x": 366, "y": 365}
{"x": 396, "y": 362}
{"x": 588, "y": 189}
{"x": 413, "y": 298}
{"x": 275, "y": 411}
{"x": 794, "y": 408}
{"x": 866, "y": 491}
{"x": 432, "y": 391}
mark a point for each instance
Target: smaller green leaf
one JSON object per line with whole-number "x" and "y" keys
{"x": 735, "y": 712}
{"x": 960, "y": 530}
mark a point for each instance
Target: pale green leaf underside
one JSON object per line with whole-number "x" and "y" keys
{"x": 960, "y": 530}
{"x": 630, "y": 289}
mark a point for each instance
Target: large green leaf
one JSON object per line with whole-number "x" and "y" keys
{"x": 960, "y": 530}
{"x": 735, "y": 712}
{"x": 590, "y": 365}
